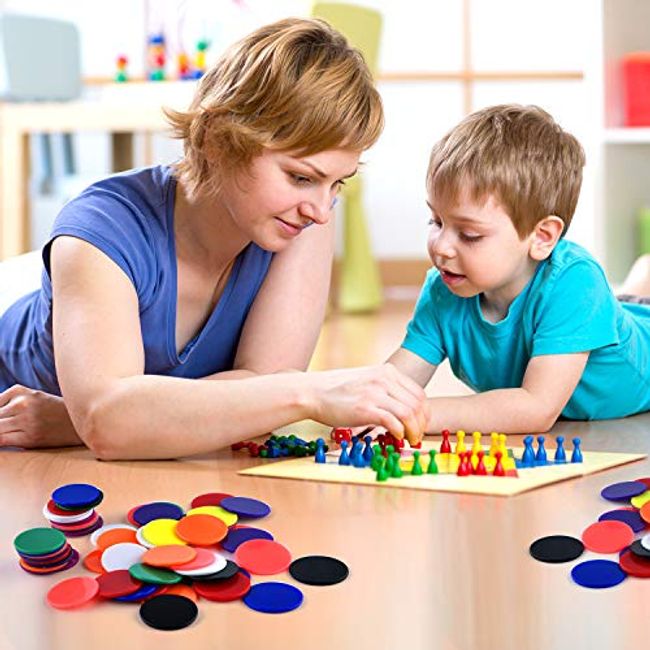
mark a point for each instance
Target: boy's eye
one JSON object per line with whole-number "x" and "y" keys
{"x": 470, "y": 239}
{"x": 434, "y": 222}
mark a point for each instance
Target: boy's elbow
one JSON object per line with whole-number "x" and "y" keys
{"x": 546, "y": 419}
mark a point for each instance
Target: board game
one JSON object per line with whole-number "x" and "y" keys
{"x": 446, "y": 480}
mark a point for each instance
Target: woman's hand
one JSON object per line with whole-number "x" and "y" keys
{"x": 32, "y": 419}
{"x": 379, "y": 395}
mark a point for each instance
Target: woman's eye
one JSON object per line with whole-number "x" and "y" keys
{"x": 434, "y": 222}
{"x": 299, "y": 179}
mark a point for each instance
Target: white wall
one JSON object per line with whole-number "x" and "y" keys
{"x": 507, "y": 35}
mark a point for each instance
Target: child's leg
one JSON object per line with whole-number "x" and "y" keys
{"x": 637, "y": 282}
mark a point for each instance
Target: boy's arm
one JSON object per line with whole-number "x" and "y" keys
{"x": 413, "y": 366}
{"x": 547, "y": 386}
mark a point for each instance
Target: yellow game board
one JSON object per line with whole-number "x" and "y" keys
{"x": 331, "y": 472}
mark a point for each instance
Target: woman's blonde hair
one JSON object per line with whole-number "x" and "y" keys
{"x": 518, "y": 153}
{"x": 295, "y": 85}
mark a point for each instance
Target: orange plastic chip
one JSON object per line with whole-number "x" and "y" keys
{"x": 180, "y": 590}
{"x": 166, "y": 556}
{"x": 202, "y": 530}
{"x": 116, "y": 536}
{"x": 72, "y": 592}
{"x": 93, "y": 562}
{"x": 645, "y": 512}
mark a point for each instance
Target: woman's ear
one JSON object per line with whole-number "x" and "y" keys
{"x": 545, "y": 236}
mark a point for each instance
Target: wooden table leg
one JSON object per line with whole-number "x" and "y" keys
{"x": 122, "y": 147}
{"x": 14, "y": 204}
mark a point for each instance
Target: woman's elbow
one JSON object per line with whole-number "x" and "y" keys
{"x": 98, "y": 435}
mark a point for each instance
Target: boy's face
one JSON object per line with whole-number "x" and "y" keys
{"x": 478, "y": 251}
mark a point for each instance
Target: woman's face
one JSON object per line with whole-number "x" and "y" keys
{"x": 281, "y": 194}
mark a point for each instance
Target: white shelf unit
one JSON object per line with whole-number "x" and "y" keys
{"x": 621, "y": 155}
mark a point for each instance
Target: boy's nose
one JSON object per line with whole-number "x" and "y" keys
{"x": 441, "y": 246}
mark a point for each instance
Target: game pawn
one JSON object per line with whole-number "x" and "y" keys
{"x": 540, "y": 455}
{"x": 476, "y": 446}
{"x": 357, "y": 455}
{"x": 417, "y": 468}
{"x": 344, "y": 458}
{"x": 460, "y": 443}
{"x": 445, "y": 445}
{"x": 481, "y": 470}
{"x": 397, "y": 470}
{"x": 560, "y": 452}
{"x": 528, "y": 457}
{"x": 494, "y": 445}
{"x": 576, "y": 456}
{"x": 319, "y": 457}
{"x": 498, "y": 468}
{"x": 463, "y": 469}
{"x": 382, "y": 474}
{"x": 432, "y": 468}
{"x": 367, "y": 452}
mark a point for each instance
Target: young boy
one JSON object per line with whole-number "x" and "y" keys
{"x": 526, "y": 318}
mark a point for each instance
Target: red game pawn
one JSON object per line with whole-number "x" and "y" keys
{"x": 481, "y": 470}
{"x": 463, "y": 466}
{"x": 445, "y": 446}
{"x": 498, "y": 468}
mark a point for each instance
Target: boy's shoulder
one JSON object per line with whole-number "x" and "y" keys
{"x": 570, "y": 260}
{"x": 568, "y": 252}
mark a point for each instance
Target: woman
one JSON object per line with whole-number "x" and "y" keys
{"x": 175, "y": 296}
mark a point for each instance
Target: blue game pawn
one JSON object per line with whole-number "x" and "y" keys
{"x": 367, "y": 452}
{"x": 357, "y": 455}
{"x": 528, "y": 457}
{"x": 560, "y": 453}
{"x": 344, "y": 458}
{"x": 319, "y": 456}
{"x": 540, "y": 456}
{"x": 576, "y": 456}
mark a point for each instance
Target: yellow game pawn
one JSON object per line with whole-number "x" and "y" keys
{"x": 460, "y": 443}
{"x": 503, "y": 446}
{"x": 477, "y": 446}
{"x": 494, "y": 446}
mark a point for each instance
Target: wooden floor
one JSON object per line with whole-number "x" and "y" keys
{"x": 427, "y": 570}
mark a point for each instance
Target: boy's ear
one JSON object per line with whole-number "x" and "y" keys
{"x": 545, "y": 236}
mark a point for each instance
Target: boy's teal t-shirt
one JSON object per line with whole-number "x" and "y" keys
{"x": 566, "y": 307}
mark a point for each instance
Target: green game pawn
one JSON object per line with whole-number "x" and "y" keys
{"x": 432, "y": 468}
{"x": 382, "y": 474}
{"x": 417, "y": 468}
{"x": 397, "y": 470}
{"x": 390, "y": 462}
{"x": 377, "y": 460}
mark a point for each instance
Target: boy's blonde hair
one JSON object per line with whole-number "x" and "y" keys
{"x": 295, "y": 85}
{"x": 520, "y": 155}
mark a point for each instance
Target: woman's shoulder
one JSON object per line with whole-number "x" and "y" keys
{"x": 146, "y": 187}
